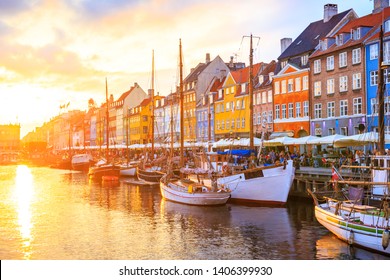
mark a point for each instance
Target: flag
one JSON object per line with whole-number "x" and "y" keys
{"x": 335, "y": 176}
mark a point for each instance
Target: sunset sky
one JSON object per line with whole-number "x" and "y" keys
{"x": 59, "y": 51}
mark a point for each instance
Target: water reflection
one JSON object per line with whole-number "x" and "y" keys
{"x": 24, "y": 193}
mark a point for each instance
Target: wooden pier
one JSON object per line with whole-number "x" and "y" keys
{"x": 313, "y": 178}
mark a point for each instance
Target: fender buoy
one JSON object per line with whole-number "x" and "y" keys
{"x": 385, "y": 239}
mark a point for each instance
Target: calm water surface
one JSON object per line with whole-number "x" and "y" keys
{"x": 51, "y": 214}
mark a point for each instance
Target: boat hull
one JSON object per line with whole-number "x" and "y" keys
{"x": 152, "y": 176}
{"x": 97, "y": 172}
{"x": 270, "y": 189}
{"x": 128, "y": 171}
{"x": 355, "y": 233}
{"x": 170, "y": 192}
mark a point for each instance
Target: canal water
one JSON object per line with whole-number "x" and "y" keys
{"x": 51, "y": 214}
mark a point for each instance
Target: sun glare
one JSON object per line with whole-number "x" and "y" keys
{"x": 24, "y": 193}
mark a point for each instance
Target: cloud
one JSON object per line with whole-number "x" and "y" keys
{"x": 8, "y": 7}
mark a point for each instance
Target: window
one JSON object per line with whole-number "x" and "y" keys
{"x": 222, "y": 124}
{"x": 304, "y": 59}
{"x": 355, "y": 34}
{"x": 277, "y": 87}
{"x": 344, "y": 130}
{"x": 264, "y": 97}
{"x": 305, "y": 82}
{"x": 220, "y": 93}
{"x": 277, "y": 111}
{"x": 238, "y": 104}
{"x": 339, "y": 40}
{"x": 227, "y": 124}
{"x": 330, "y": 63}
{"x": 232, "y": 126}
{"x": 306, "y": 108}
{"x": 343, "y": 59}
{"x": 238, "y": 122}
{"x": 284, "y": 86}
{"x": 297, "y": 84}
{"x": 317, "y": 88}
{"x": 318, "y": 111}
{"x": 290, "y": 86}
{"x": 317, "y": 66}
{"x": 356, "y": 56}
{"x": 374, "y": 51}
{"x": 243, "y": 104}
{"x": 386, "y": 52}
{"x": 374, "y": 106}
{"x": 227, "y": 106}
{"x": 258, "y": 118}
{"x": 284, "y": 111}
{"x": 387, "y": 105}
{"x": 270, "y": 120}
{"x": 386, "y": 74}
{"x": 374, "y": 78}
{"x": 269, "y": 96}
{"x": 258, "y": 95}
{"x": 243, "y": 122}
{"x": 343, "y": 83}
{"x": 330, "y": 86}
{"x": 343, "y": 107}
{"x": 331, "y": 131}
{"x": 357, "y": 105}
{"x": 243, "y": 87}
{"x": 387, "y": 26}
{"x": 331, "y": 109}
{"x": 290, "y": 110}
{"x": 298, "y": 109}
{"x": 357, "y": 81}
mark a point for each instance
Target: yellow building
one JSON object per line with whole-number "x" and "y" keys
{"x": 140, "y": 122}
{"x": 232, "y": 105}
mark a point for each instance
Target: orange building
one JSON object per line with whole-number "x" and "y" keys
{"x": 291, "y": 102}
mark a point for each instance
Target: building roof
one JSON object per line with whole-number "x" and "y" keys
{"x": 308, "y": 40}
{"x": 370, "y": 20}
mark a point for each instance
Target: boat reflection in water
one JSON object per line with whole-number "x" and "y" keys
{"x": 332, "y": 248}
{"x": 231, "y": 231}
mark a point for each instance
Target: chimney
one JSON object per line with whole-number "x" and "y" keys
{"x": 207, "y": 58}
{"x": 329, "y": 11}
{"x": 135, "y": 84}
{"x": 231, "y": 63}
{"x": 284, "y": 43}
{"x": 379, "y": 5}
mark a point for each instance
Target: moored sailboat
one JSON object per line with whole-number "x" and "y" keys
{"x": 103, "y": 167}
{"x": 185, "y": 190}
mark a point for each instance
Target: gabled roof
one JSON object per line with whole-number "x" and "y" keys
{"x": 145, "y": 102}
{"x": 371, "y": 20}
{"x": 270, "y": 68}
{"x": 242, "y": 75}
{"x": 309, "y": 38}
{"x": 193, "y": 76}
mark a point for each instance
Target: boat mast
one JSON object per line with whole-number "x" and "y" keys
{"x": 107, "y": 121}
{"x": 380, "y": 94}
{"x": 181, "y": 107}
{"x": 152, "y": 101}
{"x": 251, "y": 139}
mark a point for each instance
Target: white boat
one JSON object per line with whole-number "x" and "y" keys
{"x": 192, "y": 193}
{"x": 360, "y": 225}
{"x": 82, "y": 162}
{"x": 268, "y": 185}
{"x": 128, "y": 169}
{"x": 360, "y": 216}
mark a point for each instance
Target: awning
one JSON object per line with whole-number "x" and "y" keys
{"x": 277, "y": 134}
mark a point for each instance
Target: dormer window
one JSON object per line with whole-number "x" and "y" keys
{"x": 261, "y": 79}
{"x": 387, "y": 26}
{"x": 304, "y": 59}
{"x": 356, "y": 33}
{"x": 339, "y": 39}
{"x": 243, "y": 87}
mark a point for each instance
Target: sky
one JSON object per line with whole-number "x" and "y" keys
{"x": 56, "y": 52}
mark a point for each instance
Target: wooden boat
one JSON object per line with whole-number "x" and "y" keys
{"x": 151, "y": 174}
{"x": 183, "y": 190}
{"x": 129, "y": 169}
{"x": 82, "y": 162}
{"x": 103, "y": 167}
